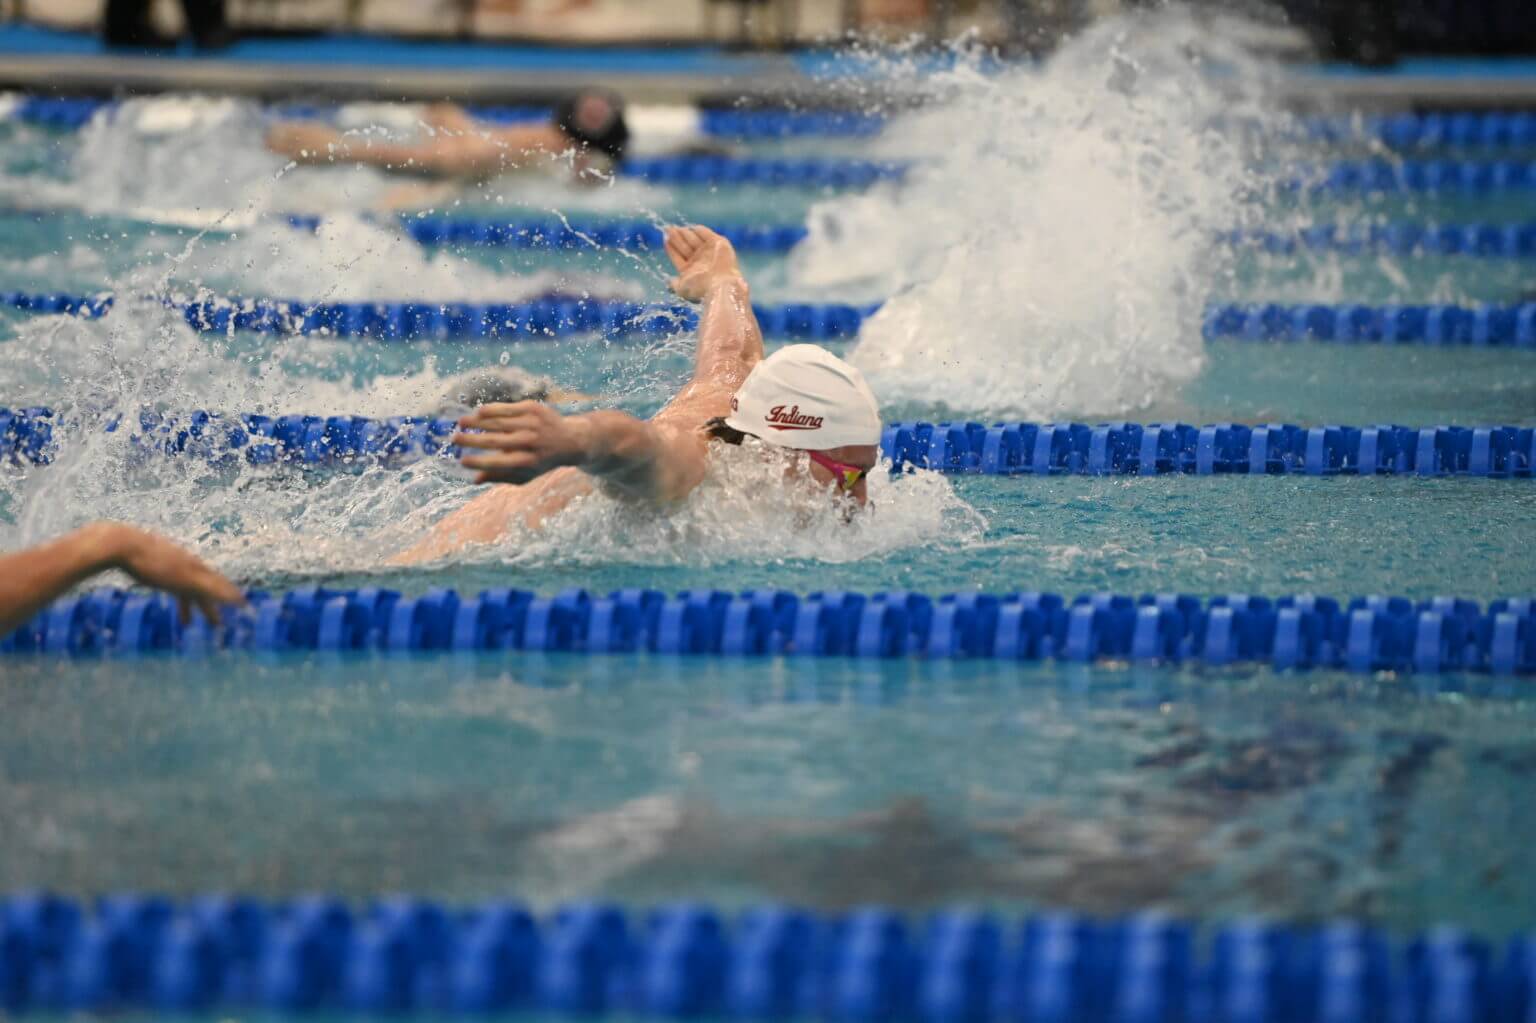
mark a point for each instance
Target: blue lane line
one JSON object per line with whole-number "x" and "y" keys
{"x": 1361, "y": 634}
{"x": 554, "y": 317}
{"x": 1486, "y": 240}
{"x": 544, "y": 320}
{"x": 401, "y": 955}
{"x": 27, "y": 437}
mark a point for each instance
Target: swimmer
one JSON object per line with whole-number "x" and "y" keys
{"x": 30, "y": 579}
{"x": 590, "y": 126}
{"x": 803, "y": 401}
{"x": 501, "y": 384}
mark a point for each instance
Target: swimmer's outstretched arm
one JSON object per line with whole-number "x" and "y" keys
{"x": 635, "y": 458}
{"x": 459, "y": 147}
{"x": 660, "y": 459}
{"x": 31, "y": 578}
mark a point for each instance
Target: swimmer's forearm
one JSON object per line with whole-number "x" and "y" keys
{"x": 32, "y": 578}
{"x": 448, "y": 117}
{"x": 633, "y": 456}
{"x": 386, "y": 155}
{"x": 729, "y": 334}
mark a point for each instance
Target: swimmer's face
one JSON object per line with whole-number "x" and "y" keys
{"x": 859, "y": 456}
{"x": 593, "y": 114}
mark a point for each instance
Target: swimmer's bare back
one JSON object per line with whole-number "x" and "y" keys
{"x": 656, "y": 461}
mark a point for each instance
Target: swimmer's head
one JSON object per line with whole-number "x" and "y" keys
{"x": 805, "y": 398}
{"x": 489, "y": 386}
{"x": 594, "y": 119}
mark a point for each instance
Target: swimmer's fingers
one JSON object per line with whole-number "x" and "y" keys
{"x": 210, "y": 593}
{"x": 675, "y": 249}
{"x": 211, "y": 611}
{"x": 501, "y": 460}
{"x": 504, "y": 467}
{"x": 515, "y": 440}
{"x": 681, "y": 238}
{"x": 487, "y": 416}
{"x": 685, "y": 243}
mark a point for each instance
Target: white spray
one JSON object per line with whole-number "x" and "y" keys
{"x": 1053, "y": 255}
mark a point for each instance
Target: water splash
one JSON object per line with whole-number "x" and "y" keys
{"x": 1053, "y": 257}
{"x": 744, "y": 511}
{"x": 351, "y": 258}
{"x": 200, "y": 162}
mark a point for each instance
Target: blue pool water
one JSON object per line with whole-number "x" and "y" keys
{"x": 652, "y": 780}
{"x": 1056, "y": 274}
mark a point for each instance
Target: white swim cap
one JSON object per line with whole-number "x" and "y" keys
{"x": 804, "y": 397}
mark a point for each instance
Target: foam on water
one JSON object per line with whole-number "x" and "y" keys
{"x": 256, "y": 521}
{"x": 745, "y": 511}
{"x": 1053, "y": 258}
{"x": 1054, "y": 254}
{"x": 199, "y": 162}
{"x": 351, "y": 258}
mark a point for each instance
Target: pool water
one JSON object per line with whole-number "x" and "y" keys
{"x": 649, "y": 780}
{"x": 1060, "y": 285}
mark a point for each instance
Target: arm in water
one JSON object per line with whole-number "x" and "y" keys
{"x": 457, "y": 147}
{"x": 660, "y": 460}
{"x": 31, "y": 578}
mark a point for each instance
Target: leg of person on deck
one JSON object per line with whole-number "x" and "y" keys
{"x": 730, "y": 344}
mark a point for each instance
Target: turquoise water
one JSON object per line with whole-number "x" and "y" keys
{"x": 1210, "y": 793}
{"x": 1079, "y": 535}
{"x": 650, "y": 780}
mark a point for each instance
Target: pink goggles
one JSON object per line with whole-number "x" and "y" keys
{"x": 847, "y": 476}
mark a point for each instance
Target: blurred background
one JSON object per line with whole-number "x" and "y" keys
{"x": 1365, "y": 31}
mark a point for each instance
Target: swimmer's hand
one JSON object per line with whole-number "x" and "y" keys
{"x": 633, "y": 458}
{"x": 703, "y": 259}
{"x": 522, "y": 440}
{"x": 155, "y": 561}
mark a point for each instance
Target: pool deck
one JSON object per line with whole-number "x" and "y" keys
{"x": 355, "y": 67}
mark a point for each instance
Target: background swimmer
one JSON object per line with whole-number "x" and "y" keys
{"x": 499, "y": 384}
{"x": 802, "y": 399}
{"x": 590, "y": 125}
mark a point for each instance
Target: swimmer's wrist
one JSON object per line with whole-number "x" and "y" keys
{"x": 584, "y": 446}
{"x": 607, "y": 441}
{"x": 730, "y": 288}
{"x": 104, "y": 545}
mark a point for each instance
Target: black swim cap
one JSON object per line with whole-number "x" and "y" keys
{"x": 594, "y": 118}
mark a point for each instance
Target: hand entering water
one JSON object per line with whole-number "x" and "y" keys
{"x": 31, "y": 578}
